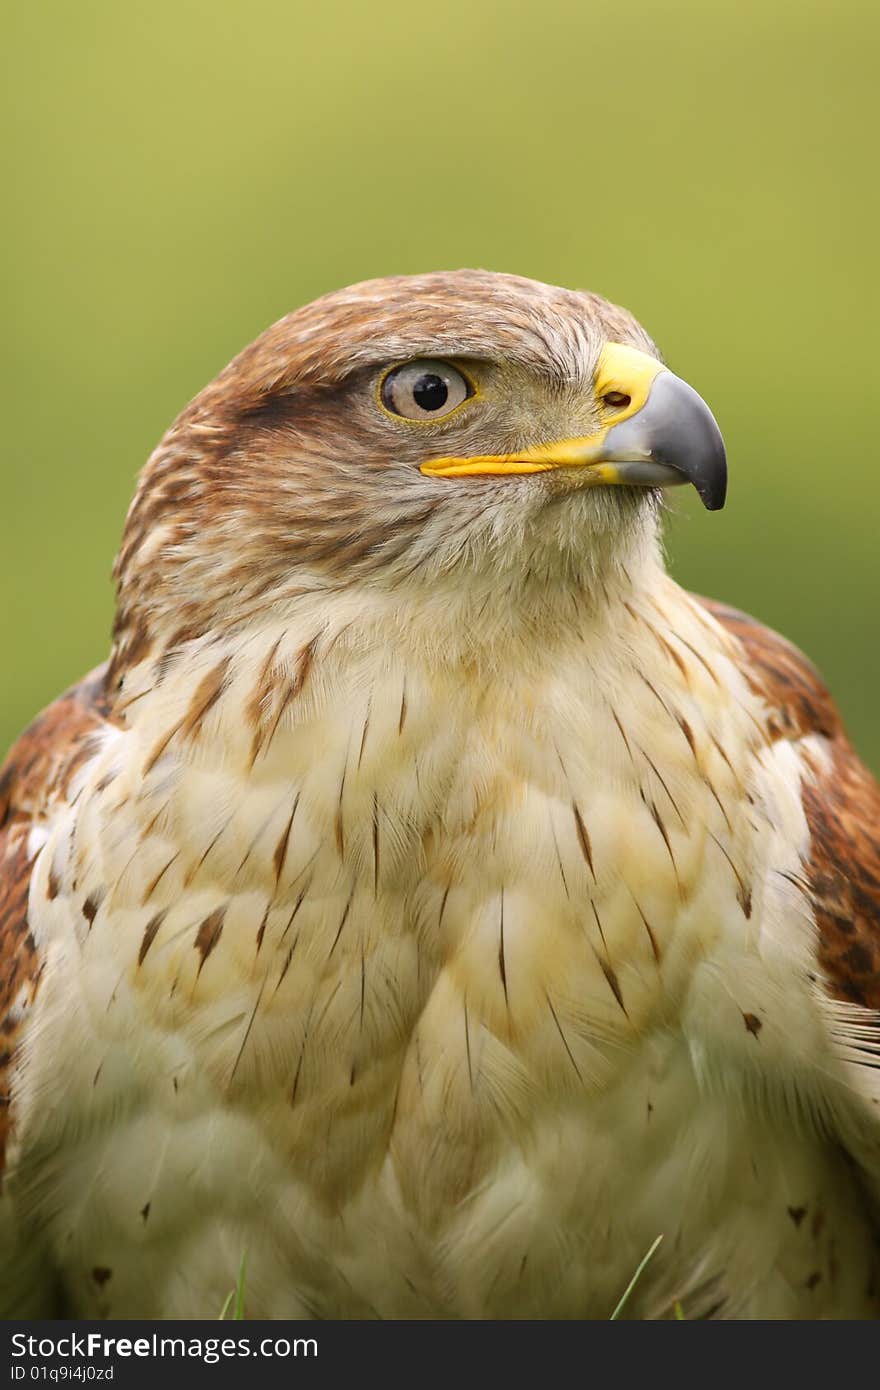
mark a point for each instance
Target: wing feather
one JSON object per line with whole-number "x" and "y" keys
{"x": 36, "y": 773}
{"x": 840, "y": 873}
{"x": 842, "y": 806}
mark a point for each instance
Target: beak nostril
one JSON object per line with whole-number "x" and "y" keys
{"x": 617, "y": 400}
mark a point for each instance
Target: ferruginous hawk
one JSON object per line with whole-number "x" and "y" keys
{"x": 430, "y": 900}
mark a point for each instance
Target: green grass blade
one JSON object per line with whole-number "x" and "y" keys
{"x": 239, "y": 1289}
{"x": 236, "y": 1295}
{"x": 634, "y": 1280}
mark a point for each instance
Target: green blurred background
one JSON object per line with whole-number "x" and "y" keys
{"x": 181, "y": 174}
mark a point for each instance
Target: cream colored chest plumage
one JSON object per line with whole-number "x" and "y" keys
{"x": 435, "y": 987}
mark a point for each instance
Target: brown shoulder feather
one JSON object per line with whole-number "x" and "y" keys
{"x": 841, "y": 875}
{"x": 795, "y": 694}
{"x": 36, "y": 772}
{"x": 44, "y": 758}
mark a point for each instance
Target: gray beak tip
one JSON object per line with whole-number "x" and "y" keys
{"x": 686, "y": 436}
{"x": 713, "y": 491}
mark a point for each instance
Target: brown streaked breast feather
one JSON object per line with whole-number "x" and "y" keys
{"x": 36, "y": 772}
{"x": 840, "y": 876}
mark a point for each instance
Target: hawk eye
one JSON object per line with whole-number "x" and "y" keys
{"x": 424, "y": 389}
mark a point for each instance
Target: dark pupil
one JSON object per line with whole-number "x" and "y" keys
{"x": 430, "y": 391}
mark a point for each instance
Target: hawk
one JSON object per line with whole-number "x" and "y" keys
{"x": 430, "y": 901}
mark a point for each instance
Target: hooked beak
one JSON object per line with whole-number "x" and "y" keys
{"x": 658, "y": 433}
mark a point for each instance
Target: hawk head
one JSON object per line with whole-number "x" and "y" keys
{"x": 411, "y": 431}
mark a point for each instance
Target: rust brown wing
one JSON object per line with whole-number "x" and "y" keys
{"x": 839, "y": 879}
{"x": 36, "y": 773}
{"x": 841, "y": 875}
